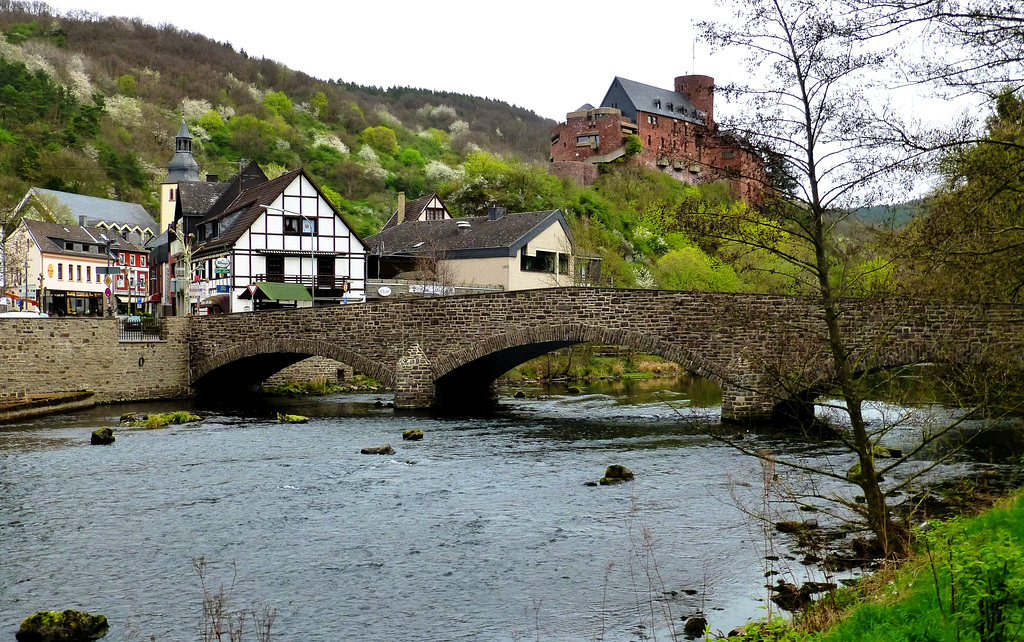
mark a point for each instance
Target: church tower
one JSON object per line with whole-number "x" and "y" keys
{"x": 183, "y": 167}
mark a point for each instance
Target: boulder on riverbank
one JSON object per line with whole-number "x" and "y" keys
{"x": 58, "y": 626}
{"x": 695, "y": 627}
{"x": 412, "y": 435}
{"x": 386, "y": 449}
{"x": 616, "y": 474}
{"x": 102, "y": 437}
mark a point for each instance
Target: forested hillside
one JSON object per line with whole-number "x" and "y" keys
{"x": 90, "y": 104}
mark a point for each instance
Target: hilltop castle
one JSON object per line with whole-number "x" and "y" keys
{"x": 677, "y": 132}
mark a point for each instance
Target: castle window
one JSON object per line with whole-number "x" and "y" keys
{"x": 171, "y": 195}
{"x": 653, "y": 120}
{"x": 728, "y": 154}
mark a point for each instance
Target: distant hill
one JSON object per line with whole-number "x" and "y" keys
{"x": 896, "y": 215}
{"x": 90, "y": 104}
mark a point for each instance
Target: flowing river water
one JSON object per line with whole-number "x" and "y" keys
{"x": 484, "y": 530}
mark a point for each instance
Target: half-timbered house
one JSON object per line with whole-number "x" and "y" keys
{"x": 276, "y": 244}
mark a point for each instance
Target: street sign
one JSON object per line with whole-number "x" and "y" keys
{"x": 108, "y": 270}
{"x": 106, "y": 292}
{"x": 252, "y": 289}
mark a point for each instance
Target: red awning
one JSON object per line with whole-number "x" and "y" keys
{"x": 18, "y": 298}
{"x": 155, "y": 298}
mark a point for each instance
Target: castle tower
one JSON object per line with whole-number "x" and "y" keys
{"x": 701, "y": 92}
{"x": 183, "y": 167}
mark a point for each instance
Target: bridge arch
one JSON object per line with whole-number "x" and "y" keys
{"x": 472, "y": 370}
{"x": 277, "y": 353}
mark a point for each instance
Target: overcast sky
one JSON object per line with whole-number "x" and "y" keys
{"x": 548, "y": 56}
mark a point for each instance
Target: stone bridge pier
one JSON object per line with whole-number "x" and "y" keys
{"x": 768, "y": 353}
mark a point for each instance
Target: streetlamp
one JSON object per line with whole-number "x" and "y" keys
{"x": 112, "y": 244}
{"x": 312, "y": 259}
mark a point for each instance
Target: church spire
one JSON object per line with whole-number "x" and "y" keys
{"x": 183, "y": 167}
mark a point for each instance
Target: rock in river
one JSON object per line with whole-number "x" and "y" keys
{"x": 57, "y": 626}
{"x": 414, "y": 434}
{"x": 386, "y": 449}
{"x": 616, "y": 474}
{"x": 102, "y": 437}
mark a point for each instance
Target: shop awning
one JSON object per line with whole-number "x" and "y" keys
{"x": 220, "y": 301}
{"x": 280, "y": 291}
{"x": 155, "y": 298}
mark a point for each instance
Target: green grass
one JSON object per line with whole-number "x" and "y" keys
{"x": 964, "y": 583}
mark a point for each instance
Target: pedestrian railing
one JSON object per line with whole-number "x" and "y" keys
{"x": 137, "y": 328}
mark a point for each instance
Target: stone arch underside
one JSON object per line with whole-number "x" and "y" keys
{"x": 470, "y": 371}
{"x": 254, "y": 362}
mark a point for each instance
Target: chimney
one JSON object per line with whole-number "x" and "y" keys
{"x": 81, "y": 220}
{"x": 494, "y": 213}
{"x": 401, "y": 207}
{"x": 700, "y": 90}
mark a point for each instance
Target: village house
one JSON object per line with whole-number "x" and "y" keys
{"x": 70, "y": 270}
{"x": 128, "y": 221}
{"x": 676, "y": 131}
{"x": 251, "y": 243}
{"x": 424, "y": 244}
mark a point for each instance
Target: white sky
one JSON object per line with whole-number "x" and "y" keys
{"x": 548, "y": 56}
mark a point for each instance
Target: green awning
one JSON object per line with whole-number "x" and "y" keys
{"x": 284, "y": 291}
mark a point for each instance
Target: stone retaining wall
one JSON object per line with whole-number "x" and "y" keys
{"x": 53, "y": 355}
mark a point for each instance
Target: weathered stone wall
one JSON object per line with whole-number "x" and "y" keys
{"x": 584, "y": 174}
{"x": 311, "y": 369}
{"x": 69, "y": 354}
{"x": 761, "y": 349}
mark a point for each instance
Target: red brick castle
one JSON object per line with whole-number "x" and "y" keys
{"x": 677, "y": 133}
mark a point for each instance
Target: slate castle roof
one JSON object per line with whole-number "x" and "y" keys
{"x": 651, "y": 100}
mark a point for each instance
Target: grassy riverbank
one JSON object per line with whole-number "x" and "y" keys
{"x": 964, "y": 582}
{"x": 591, "y": 361}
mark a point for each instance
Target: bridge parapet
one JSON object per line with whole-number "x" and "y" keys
{"x": 762, "y": 349}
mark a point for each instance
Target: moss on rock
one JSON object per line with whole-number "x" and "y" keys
{"x": 62, "y": 626}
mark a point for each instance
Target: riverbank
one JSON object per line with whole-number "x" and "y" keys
{"x": 23, "y": 407}
{"x": 965, "y": 581}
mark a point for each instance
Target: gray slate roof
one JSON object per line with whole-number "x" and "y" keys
{"x": 49, "y": 238}
{"x": 483, "y": 238}
{"x": 654, "y": 100}
{"x": 183, "y": 167}
{"x": 97, "y": 210}
{"x": 413, "y": 209}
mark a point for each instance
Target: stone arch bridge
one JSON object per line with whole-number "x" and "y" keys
{"x": 765, "y": 351}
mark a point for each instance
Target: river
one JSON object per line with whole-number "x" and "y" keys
{"x": 484, "y": 530}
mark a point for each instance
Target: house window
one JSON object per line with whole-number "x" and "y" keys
{"x": 543, "y": 262}
{"x": 435, "y": 214}
{"x": 275, "y": 268}
{"x": 120, "y": 258}
{"x": 88, "y": 273}
{"x": 299, "y": 225}
{"x": 142, "y": 261}
{"x": 132, "y": 260}
{"x": 79, "y": 270}
{"x": 171, "y": 194}
{"x": 653, "y": 120}
{"x": 60, "y": 271}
